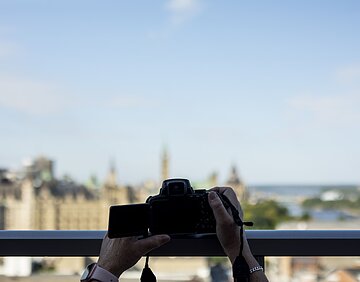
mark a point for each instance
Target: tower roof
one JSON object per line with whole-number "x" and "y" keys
{"x": 111, "y": 178}
{"x": 234, "y": 177}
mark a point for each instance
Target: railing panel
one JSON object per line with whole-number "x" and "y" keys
{"x": 262, "y": 243}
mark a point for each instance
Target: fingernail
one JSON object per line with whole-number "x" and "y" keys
{"x": 164, "y": 238}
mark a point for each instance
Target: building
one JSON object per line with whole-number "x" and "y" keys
{"x": 313, "y": 269}
{"x": 234, "y": 181}
{"x": 164, "y": 165}
{"x": 345, "y": 275}
{"x": 40, "y": 201}
{"x": 36, "y": 200}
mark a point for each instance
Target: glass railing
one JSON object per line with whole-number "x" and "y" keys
{"x": 262, "y": 242}
{"x": 287, "y": 255}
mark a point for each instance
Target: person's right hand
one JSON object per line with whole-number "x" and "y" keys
{"x": 226, "y": 229}
{"x": 228, "y": 232}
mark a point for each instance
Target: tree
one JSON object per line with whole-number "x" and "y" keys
{"x": 265, "y": 214}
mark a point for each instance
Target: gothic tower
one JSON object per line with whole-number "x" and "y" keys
{"x": 111, "y": 179}
{"x": 236, "y": 183}
{"x": 213, "y": 179}
{"x": 111, "y": 189}
{"x": 164, "y": 165}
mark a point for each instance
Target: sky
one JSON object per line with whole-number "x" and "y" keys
{"x": 272, "y": 87}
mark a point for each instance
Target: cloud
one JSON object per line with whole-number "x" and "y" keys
{"x": 29, "y": 96}
{"x": 127, "y": 101}
{"x": 131, "y": 101}
{"x": 182, "y": 10}
{"x": 349, "y": 74}
{"x": 7, "y": 47}
{"x": 339, "y": 110}
{"x": 337, "y": 105}
{"x": 178, "y": 13}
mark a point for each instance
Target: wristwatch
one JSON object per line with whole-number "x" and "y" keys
{"x": 97, "y": 273}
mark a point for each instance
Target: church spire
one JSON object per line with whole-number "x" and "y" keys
{"x": 213, "y": 179}
{"x": 236, "y": 183}
{"x": 111, "y": 179}
{"x": 164, "y": 165}
{"x": 234, "y": 177}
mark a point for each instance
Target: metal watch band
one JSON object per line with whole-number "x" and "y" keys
{"x": 256, "y": 268}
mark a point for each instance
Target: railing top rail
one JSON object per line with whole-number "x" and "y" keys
{"x": 262, "y": 242}
{"x": 251, "y": 234}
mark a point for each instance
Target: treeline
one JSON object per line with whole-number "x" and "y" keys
{"x": 266, "y": 214}
{"x": 317, "y": 202}
{"x": 345, "y": 198}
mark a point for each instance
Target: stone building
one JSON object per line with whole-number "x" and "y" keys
{"x": 36, "y": 200}
{"x": 39, "y": 201}
{"x": 237, "y": 184}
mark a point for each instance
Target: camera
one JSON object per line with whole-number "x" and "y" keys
{"x": 177, "y": 209}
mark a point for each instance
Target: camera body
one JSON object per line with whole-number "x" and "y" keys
{"x": 177, "y": 209}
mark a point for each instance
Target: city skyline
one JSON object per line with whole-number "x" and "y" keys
{"x": 271, "y": 87}
{"x": 164, "y": 173}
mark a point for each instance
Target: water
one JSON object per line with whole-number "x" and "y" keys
{"x": 295, "y": 190}
{"x": 291, "y": 197}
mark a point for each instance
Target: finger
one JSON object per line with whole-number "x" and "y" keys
{"x": 228, "y": 191}
{"x": 230, "y": 194}
{"x": 153, "y": 242}
{"x": 220, "y": 189}
{"x": 220, "y": 213}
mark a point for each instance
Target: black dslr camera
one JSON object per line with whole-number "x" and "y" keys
{"x": 178, "y": 209}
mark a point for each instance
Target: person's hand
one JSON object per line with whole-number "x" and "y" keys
{"x": 119, "y": 254}
{"x": 227, "y": 231}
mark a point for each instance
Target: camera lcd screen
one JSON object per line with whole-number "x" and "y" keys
{"x": 128, "y": 220}
{"x": 181, "y": 216}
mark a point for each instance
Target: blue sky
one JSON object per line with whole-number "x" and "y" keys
{"x": 270, "y": 86}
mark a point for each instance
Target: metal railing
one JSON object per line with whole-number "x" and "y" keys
{"x": 262, "y": 242}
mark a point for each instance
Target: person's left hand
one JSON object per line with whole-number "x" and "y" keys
{"x": 119, "y": 254}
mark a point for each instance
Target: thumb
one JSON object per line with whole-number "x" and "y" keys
{"x": 153, "y": 242}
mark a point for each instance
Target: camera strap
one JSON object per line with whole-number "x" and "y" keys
{"x": 237, "y": 219}
{"x": 147, "y": 275}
